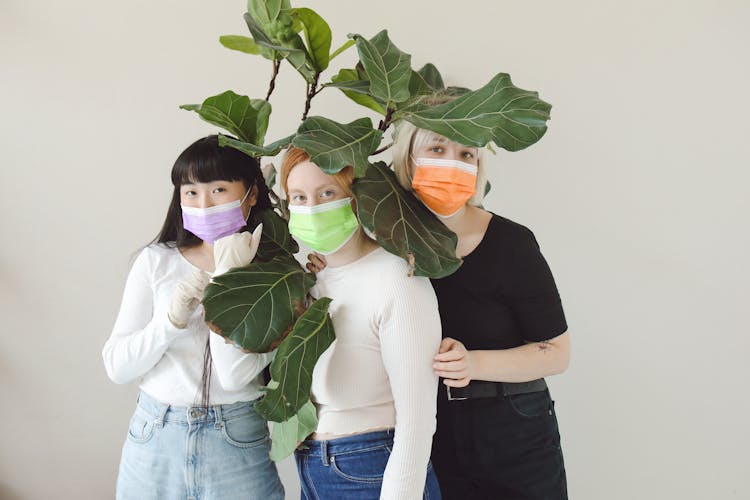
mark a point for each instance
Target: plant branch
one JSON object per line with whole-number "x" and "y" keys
{"x": 385, "y": 122}
{"x": 312, "y": 91}
{"x": 272, "y": 83}
{"x": 378, "y": 151}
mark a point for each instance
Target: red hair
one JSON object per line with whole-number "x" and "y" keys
{"x": 294, "y": 156}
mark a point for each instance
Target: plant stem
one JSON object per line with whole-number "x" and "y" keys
{"x": 312, "y": 91}
{"x": 378, "y": 151}
{"x": 272, "y": 83}
{"x": 385, "y": 122}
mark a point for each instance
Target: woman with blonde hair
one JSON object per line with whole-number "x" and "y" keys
{"x": 504, "y": 328}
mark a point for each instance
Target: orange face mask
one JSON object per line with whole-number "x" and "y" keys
{"x": 444, "y": 186}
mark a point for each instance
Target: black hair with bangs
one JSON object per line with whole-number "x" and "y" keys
{"x": 206, "y": 161}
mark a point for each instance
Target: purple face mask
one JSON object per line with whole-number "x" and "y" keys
{"x": 212, "y": 223}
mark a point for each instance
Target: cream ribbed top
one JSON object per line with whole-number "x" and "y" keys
{"x": 378, "y": 372}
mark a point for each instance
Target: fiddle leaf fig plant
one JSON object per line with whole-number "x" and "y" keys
{"x": 238, "y": 114}
{"x": 402, "y": 225}
{"x": 310, "y": 337}
{"x": 332, "y": 146}
{"x": 254, "y": 306}
{"x": 262, "y": 306}
{"x": 499, "y": 112}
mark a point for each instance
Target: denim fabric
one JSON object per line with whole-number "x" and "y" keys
{"x": 190, "y": 453}
{"x": 499, "y": 448}
{"x": 350, "y": 468}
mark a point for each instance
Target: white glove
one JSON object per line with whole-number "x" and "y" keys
{"x": 187, "y": 296}
{"x": 236, "y": 250}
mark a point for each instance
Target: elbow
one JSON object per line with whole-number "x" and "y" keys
{"x": 229, "y": 381}
{"x": 231, "y": 385}
{"x": 562, "y": 358}
{"x": 562, "y": 365}
{"x": 114, "y": 371}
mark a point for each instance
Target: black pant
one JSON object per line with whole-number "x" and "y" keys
{"x": 499, "y": 448}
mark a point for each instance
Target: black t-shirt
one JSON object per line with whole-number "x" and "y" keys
{"x": 503, "y": 295}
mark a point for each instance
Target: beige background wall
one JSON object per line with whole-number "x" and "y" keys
{"x": 638, "y": 195}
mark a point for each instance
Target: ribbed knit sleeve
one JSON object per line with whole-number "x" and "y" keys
{"x": 410, "y": 336}
{"x": 139, "y": 339}
{"x": 234, "y": 368}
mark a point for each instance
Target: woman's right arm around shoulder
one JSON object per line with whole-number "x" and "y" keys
{"x": 139, "y": 338}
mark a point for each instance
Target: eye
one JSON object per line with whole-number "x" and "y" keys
{"x": 297, "y": 198}
{"x": 189, "y": 192}
{"x": 467, "y": 155}
{"x": 219, "y": 190}
{"x": 436, "y": 149}
{"x": 328, "y": 193}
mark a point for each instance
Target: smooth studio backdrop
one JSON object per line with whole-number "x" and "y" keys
{"x": 638, "y": 195}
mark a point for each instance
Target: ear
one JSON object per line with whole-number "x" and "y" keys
{"x": 250, "y": 201}
{"x": 252, "y": 198}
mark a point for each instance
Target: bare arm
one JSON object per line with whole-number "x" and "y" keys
{"x": 531, "y": 361}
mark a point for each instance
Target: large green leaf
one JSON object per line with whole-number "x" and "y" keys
{"x": 238, "y": 114}
{"x": 289, "y": 434}
{"x": 264, "y": 11}
{"x": 254, "y": 305}
{"x": 276, "y": 242}
{"x": 511, "y": 117}
{"x": 333, "y": 146}
{"x": 317, "y": 34}
{"x": 347, "y": 80}
{"x": 240, "y": 43}
{"x": 388, "y": 69}
{"x": 251, "y": 149}
{"x": 292, "y": 366}
{"x": 402, "y": 225}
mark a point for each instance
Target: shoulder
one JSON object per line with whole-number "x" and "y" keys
{"x": 510, "y": 234}
{"x": 392, "y": 274}
{"x": 156, "y": 255}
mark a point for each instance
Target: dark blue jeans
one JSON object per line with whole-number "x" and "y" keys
{"x": 499, "y": 448}
{"x": 350, "y": 468}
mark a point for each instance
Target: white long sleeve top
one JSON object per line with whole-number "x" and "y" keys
{"x": 168, "y": 361}
{"x": 378, "y": 372}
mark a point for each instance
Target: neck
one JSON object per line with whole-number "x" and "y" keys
{"x": 458, "y": 221}
{"x": 354, "y": 249}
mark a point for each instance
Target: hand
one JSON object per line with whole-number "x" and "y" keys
{"x": 187, "y": 296}
{"x": 236, "y": 250}
{"x": 453, "y": 363}
{"x": 316, "y": 262}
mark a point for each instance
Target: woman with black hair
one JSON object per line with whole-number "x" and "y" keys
{"x": 194, "y": 433}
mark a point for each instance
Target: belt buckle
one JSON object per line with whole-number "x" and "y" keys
{"x": 450, "y": 396}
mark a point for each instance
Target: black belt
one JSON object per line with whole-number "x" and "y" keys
{"x": 480, "y": 389}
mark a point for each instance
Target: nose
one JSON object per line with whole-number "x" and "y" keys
{"x": 205, "y": 201}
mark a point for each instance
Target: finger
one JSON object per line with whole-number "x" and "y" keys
{"x": 457, "y": 383}
{"x": 255, "y": 239}
{"x": 310, "y": 267}
{"x": 447, "y": 344}
{"x": 452, "y": 375}
{"x": 453, "y": 355}
{"x": 453, "y": 366}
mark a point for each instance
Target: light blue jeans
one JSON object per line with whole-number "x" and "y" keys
{"x": 188, "y": 453}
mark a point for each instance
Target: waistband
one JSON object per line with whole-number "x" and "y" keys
{"x": 478, "y": 389}
{"x": 342, "y": 445}
{"x": 164, "y": 412}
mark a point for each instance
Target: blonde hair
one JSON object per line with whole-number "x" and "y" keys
{"x": 294, "y": 156}
{"x": 408, "y": 138}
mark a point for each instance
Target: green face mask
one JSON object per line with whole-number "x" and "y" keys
{"x": 326, "y": 227}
